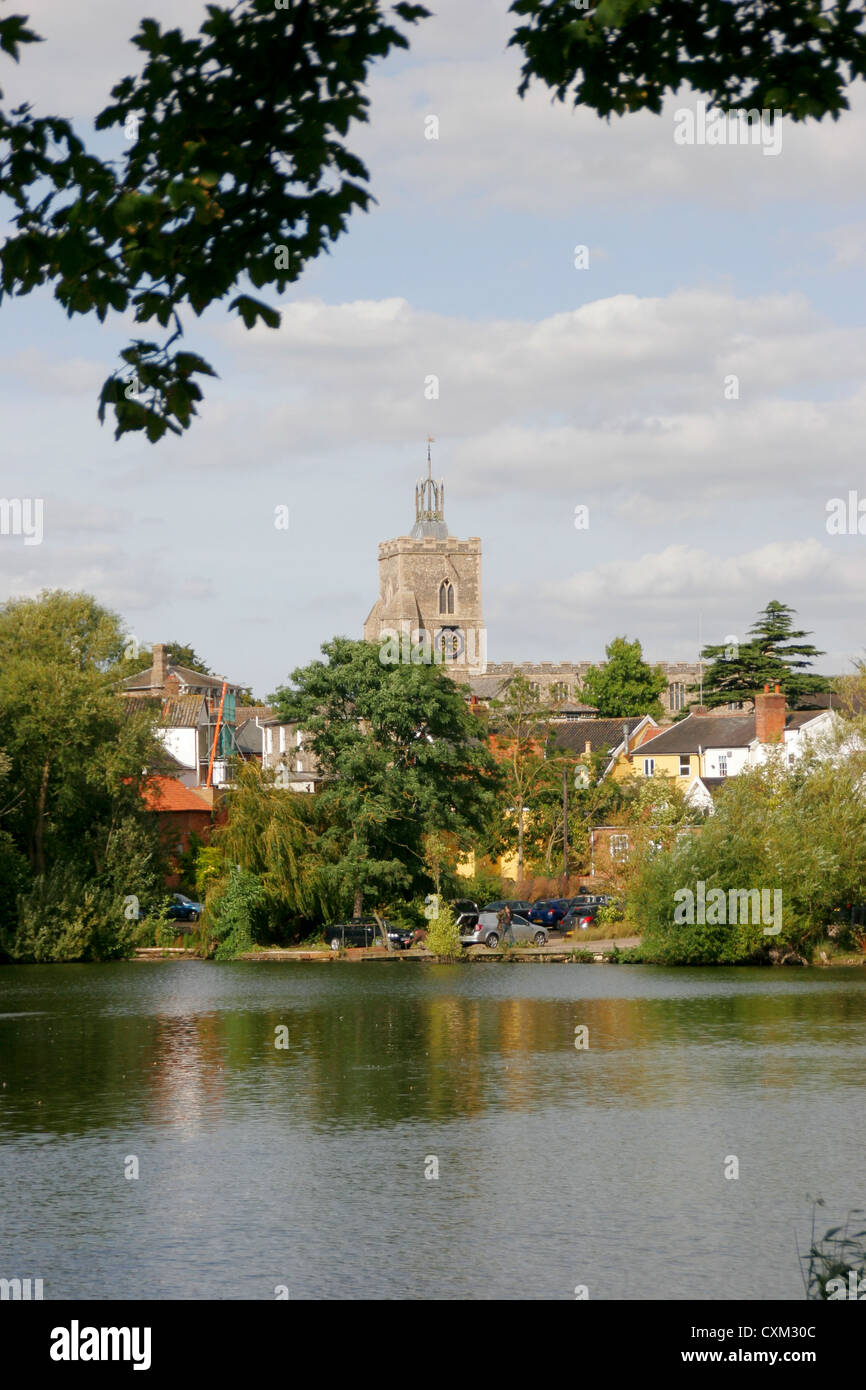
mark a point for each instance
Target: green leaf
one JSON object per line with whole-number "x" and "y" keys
{"x": 251, "y": 310}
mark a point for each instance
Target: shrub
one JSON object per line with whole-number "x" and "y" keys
{"x": 443, "y": 935}
{"x": 63, "y": 918}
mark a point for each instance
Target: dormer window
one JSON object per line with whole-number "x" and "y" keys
{"x": 446, "y": 597}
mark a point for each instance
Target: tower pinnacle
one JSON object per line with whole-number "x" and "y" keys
{"x": 429, "y": 505}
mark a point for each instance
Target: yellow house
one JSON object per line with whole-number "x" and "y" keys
{"x": 715, "y": 746}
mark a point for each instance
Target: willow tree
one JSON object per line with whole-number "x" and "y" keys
{"x": 277, "y": 835}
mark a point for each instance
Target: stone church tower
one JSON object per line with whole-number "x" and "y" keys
{"x": 430, "y": 590}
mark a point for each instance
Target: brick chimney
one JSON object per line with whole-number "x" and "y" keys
{"x": 770, "y": 716}
{"x": 159, "y": 669}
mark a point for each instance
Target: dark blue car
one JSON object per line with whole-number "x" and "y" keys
{"x": 548, "y": 912}
{"x": 183, "y": 909}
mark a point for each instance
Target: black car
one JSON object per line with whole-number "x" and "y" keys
{"x": 364, "y": 931}
{"x": 579, "y": 916}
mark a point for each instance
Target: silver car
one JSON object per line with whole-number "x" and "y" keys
{"x": 488, "y": 932}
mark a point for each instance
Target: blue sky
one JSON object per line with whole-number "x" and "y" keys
{"x": 558, "y": 386}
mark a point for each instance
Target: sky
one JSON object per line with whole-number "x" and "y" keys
{"x": 604, "y": 385}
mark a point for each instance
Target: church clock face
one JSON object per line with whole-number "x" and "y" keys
{"x": 451, "y": 643}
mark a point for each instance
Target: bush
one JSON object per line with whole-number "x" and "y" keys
{"x": 63, "y": 918}
{"x": 236, "y": 914}
{"x": 443, "y": 934}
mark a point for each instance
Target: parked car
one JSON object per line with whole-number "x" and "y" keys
{"x": 465, "y": 912}
{"x": 548, "y": 912}
{"x": 516, "y": 905}
{"x": 183, "y": 909}
{"x": 488, "y": 931}
{"x": 364, "y": 931}
{"x": 579, "y": 917}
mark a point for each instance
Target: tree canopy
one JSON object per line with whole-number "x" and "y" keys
{"x": 401, "y": 755}
{"x": 236, "y": 168}
{"x": 615, "y": 56}
{"x": 236, "y": 171}
{"x": 626, "y": 684}
{"x": 70, "y": 804}
{"x": 774, "y": 653}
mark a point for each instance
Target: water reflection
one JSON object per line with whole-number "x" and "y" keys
{"x": 309, "y": 1161}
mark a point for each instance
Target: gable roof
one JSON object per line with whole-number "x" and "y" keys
{"x": 143, "y": 680}
{"x": 698, "y": 732}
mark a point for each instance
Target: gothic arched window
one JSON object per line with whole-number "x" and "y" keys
{"x": 446, "y": 597}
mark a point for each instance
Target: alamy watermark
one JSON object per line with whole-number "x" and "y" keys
{"x": 716, "y": 908}
{"x": 846, "y": 517}
{"x": 22, "y": 516}
{"x": 444, "y": 646}
{"x": 20, "y": 1289}
{"x": 697, "y": 127}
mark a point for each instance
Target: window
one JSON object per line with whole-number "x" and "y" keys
{"x": 619, "y": 847}
{"x": 446, "y": 597}
{"x": 685, "y": 765}
{"x": 676, "y": 695}
{"x": 649, "y": 767}
{"x": 559, "y": 690}
{"x": 723, "y": 765}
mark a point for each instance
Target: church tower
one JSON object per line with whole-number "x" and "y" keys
{"x": 430, "y": 588}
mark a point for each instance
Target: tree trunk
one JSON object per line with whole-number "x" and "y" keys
{"x": 359, "y": 902}
{"x": 389, "y": 945}
{"x": 520, "y": 842}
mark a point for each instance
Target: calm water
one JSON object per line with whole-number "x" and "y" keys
{"x": 305, "y": 1166}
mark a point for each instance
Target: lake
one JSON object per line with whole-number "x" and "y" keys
{"x": 311, "y": 1166}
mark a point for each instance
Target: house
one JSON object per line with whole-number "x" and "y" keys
{"x": 702, "y": 792}
{"x": 249, "y": 731}
{"x": 283, "y": 751}
{"x": 182, "y": 812}
{"x": 197, "y": 719}
{"x": 715, "y": 746}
